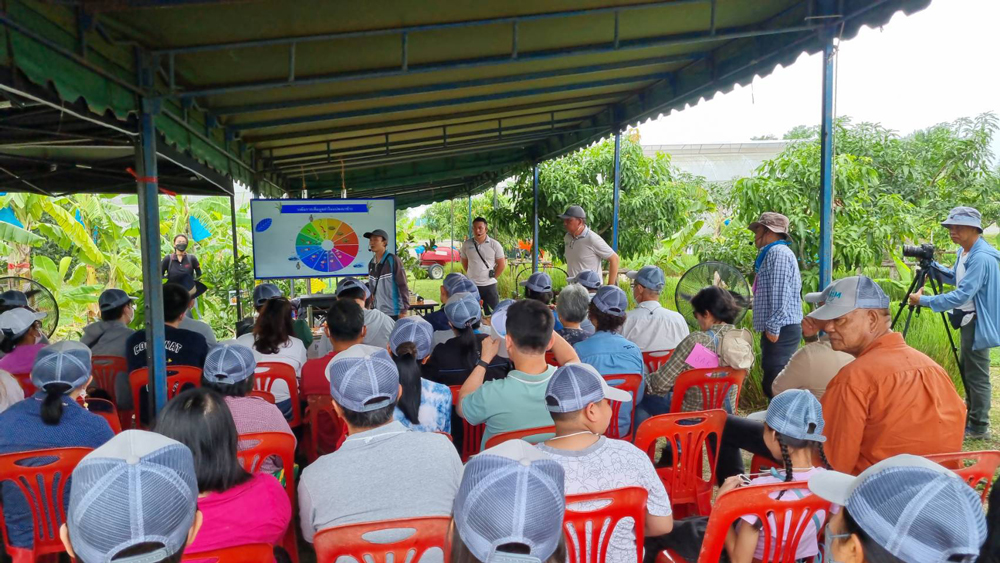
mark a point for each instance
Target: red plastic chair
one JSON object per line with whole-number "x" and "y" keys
{"x": 550, "y": 359}
{"x": 588, "y": 530}
{"x": 256, "y": 447}
{"x": 44, "y": 487}
{"x": 253, "y": 553}
{"x": 107, "y": 412}
{"x": 655, "y": 358}
{"x": 502, "y": 437}
{"x": 178, "y": 377}
{"x": 319, "y": 411}
{"x": 685, "y": 479}
{"x": 350, "y": 541}
{"x": 269, "y": 397}
{"x": 267, "y": 373}
{"x": 472, "y": 434}
{"x": 981, "y": 470}
{"x": 105, "y": 370}
{"x": 24, "y": 380}
{"x": 759, "y": 464}
{"x": 629, "y": 382}
{"x": 714, "y": 384}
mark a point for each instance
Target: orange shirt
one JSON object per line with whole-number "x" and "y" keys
{"x": 891, "y": 400}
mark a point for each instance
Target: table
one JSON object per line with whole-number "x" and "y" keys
{"x": 425, "y": 307}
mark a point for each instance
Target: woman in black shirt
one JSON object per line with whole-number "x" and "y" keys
{"x": 180, "y": 267}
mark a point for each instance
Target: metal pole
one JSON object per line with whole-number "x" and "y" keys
{"x": 534, "y": 222}
{"x": 236, "y": 255}
{"x": 617, "y": 192}
{"x": 826, "y": 168}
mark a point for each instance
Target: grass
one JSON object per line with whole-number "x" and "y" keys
{"x": 993, "y": 442}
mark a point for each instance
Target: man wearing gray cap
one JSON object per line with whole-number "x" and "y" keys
{"x": 891, "y": 399}
{"x": 974, "y": 308}
{"x": 585, "y": 249}
{"x": 651, "y": 326}
{"x": 386, "y": 277}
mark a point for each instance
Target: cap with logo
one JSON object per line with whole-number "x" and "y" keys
{"x": 463, "y": 310}
{"x": 352, "y": 283}
{"x": 611, "y": 299}
{"x": 139, "y": 487}
{"x": 574, "y": 212}
{"x": 229, "y": 363}
{"x": 113, "y": 298}
{"x": 912, "y": 507}
{"x": 650, "y": 277}
{"x": 363, "y": 378}
{"x": 539, "y": 282}
{"x": 66, "y": 362}
{"x": 588, "y": 279}
{"x": 964, "y": 216}
{"x": 458, "y": 283}
{"x": 415, "y": 330}
{"x": 849, "y": 294}
{"x": 511, "y": 493}
{"x": 16, "y": 322}
{"x": 774, "y": 222}
{"x": 574, "y": 386}
{"x": 377, "y": 233}
{"x": 265, "y": 291}
{"x": 795, "y": 413}
{"x": 13, "y": 298}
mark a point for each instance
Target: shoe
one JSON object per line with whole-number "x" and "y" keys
{"x": 977, "y": 434}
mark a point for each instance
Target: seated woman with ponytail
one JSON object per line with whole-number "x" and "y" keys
{"x": 50, "y": 419}
{"x": 424, "y": 405}
{"x": 453, "y": 361}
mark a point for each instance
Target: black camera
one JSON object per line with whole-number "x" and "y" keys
{"x": 923, "y": 252}
{"x": 492, "y": 273}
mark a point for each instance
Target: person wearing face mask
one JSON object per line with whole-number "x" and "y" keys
{"x": 107, "y": 336}
{"x": 21, "y": 341}
{"x": 179, "y": 266}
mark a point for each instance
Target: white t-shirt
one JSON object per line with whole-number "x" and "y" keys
{"x": 585, "y": 252}
{"x": 652, "y": 327}
{"x": 969, "y": 305}
{"x": 607, "y": 465}
{"x": 479, "y": 272}
{"x": 292, "y": 353}
{"x": 11, "y": 392}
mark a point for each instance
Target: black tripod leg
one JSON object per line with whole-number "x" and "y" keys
{"x": 905, "y": 301}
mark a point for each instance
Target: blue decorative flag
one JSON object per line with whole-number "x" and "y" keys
{"x": 7, "y": 216}
{"x": 198, "y": 231}
{"x": 79, "y": 219}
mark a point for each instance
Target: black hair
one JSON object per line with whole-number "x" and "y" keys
{"x": 273, "y": 328}
{"x": 717, "y": 301}
{"x": 469, "y": 344}
{"x": 605, "y": 321}
{"x": 479, "y": 220}
{"x": 405, "y": 357}
{"x": 529, "y": 324}
{"x": 179, "y": 235}
{"x": 143, "y": 548}
{"x": 543, "y": 296}
{"x": 113, "y": 314}
{"x": 785, "y": 442}
{"x": 200, "y": 419}
{"x": 460, "y": 552}
{"x": 355, "y": 293}
{"x": 345, "y": 320}
{"x": 990, "y": 552}
{"x": 8, "y": 344}
{"x": 370, "y": 419}
{"x": 873, "y": 552}
{"x": 175, "y": 301}
{"x": 52, "y": 407}
{"x": 560, "y": 416}
{"x": 240, "y": 389}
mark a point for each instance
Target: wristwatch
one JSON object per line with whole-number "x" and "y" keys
{"x": 483, "y": 364}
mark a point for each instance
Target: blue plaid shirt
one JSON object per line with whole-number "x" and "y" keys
{"x": 777, "y": 296}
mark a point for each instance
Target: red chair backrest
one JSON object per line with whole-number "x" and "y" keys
{"x": 350, "y": 541}
{"x": 106, "y": 410}
{"x": 256, "y": 447}
{"x": 550, "y": 359}
{"x": 267, "y": 373}
{"x": 519, "y": 435}
{"x": 982, "y": 468}
{"x": 105, "y": 370}
{"x": 24, "y": 380}
{"x": 759, "y": 464}
{"x": 687, "y": 435}
{"x": 588, "y": 530}
{"x": 178, "y": 377}
{"x": 472, "y": 434}
{"x": 319, "y": 408}
{"x": 789, "y": 512}
{"x": 253, "y": 553}
{"x": 44, "y": 488}
{"x": 267, "y": 396}
{"x": 629, "y": 382}
{"x": 713, "y": 383}
{"x": 655, "y": 358}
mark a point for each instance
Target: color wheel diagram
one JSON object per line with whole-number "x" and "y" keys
{"x": 327, "y": 245}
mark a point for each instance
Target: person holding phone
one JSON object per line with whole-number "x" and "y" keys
{"x": 484, "y": 260}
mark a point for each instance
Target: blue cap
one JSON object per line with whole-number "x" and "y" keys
{"x": 611, "y": 299}
{"x": 964, "y": 216}
{"x": 539, "y": 282}
{"x": 463, "y": 310}
{"x": 650, "y": 277}
{"x": 229, "y": 363}
{"x": 363, "y": 378}
{"x": 263, "y": 292}
{"x": 415, "y": 330}
{"x": 574, "y": 386}
{"x": 795, "y": 413}
{"x": 588, "y": 279}
{"x": 63, "y": 362}
{"x": 112, "y": 299}
{"x": 458, "y": 283}
{"x": 352, "y": 283}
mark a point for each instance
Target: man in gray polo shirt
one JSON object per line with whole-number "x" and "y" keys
{"x": 383, "y": 471}
{"x": 585, "y": 249}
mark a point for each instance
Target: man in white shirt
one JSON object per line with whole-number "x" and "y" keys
{"x": 483, "y": 260}
{"x": 585, "y": 249}
{"x": 651, "y": 326}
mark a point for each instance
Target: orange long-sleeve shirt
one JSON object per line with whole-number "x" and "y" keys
{"x": 891, "y": 400}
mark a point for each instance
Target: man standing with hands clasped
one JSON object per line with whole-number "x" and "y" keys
{"x": 585, "y": 249}
{"x": 483, "y": 260}
{"x": 974, "y": 308}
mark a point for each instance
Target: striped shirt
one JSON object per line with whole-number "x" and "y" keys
{"x": 777, "y": 291}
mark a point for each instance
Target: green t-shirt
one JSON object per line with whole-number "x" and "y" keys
{"x": 301, "y": 330}
{"x": 513, "y": 403}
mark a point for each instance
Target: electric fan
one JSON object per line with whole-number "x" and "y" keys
{"x": 39, "y": 299}
{"x": 705, "y": 274}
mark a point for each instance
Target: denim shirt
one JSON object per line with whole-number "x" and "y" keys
{"x": 981, "y": 284}
{"x": 612, "y": 354}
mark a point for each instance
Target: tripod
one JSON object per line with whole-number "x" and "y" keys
{"x": 926, "y": 272}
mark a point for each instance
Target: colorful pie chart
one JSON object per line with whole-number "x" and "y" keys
{"x": 327, "y": 245}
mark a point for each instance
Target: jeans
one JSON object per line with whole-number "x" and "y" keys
{"x": 490, "y": 297}
{"x": 739, "y": 434}
{"x": 774, "y": 355}
{"x": 976, "y": 364}
{"x": 650, "y": 406}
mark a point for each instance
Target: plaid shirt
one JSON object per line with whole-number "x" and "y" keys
{"x": 661, "y": 382}
{"x": 777, "y": 295}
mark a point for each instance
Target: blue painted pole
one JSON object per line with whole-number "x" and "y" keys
{"x": 534, "y": 222}
{"x": 826, "y": 168}
{"x": 617, "y": 192}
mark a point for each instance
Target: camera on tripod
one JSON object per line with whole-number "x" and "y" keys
{"x": 923, "y": 252}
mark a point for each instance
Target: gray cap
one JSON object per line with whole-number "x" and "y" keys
{"x": 795, "y": 413}
{"x": 416, "y": 330}
{"x": 611, "y": 299}
{"x": 352, "y": 283}
{"x": 498, "y": 320}
{"x": 63, "y": 362}
{"x": 113, "y": 298}
{"x": 139, "y": 487}
{"x": 458, "y": 283}
{"x": 848, "y": 294}
{"x": 964, "y": 216}
{"x": 574, "y": 386}
{"x": 377, "y": 233}
{"x": 774, "y": 222}
{"x": 650, "y": 277}
{"x": 363, "y": 378}
{"x": 538, "y": 281}
{"x": 463, "y": 310}
{"x": 574, "y": 212}
{"x": 229, "y": 363}
{"x": 265, "y": 291}
{"x": 588, "y": 279}
{"x": 915, "y": 509}
{"x": 511, "y": 493}
{"x": 15, "y": 322}
{"x": 13, "y": 298}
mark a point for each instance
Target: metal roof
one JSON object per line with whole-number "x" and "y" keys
{"x": 421, "y": 100}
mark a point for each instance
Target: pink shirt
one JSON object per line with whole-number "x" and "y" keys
{"x": 257, "y": 511}
{"x": 808, "y": 546}
{"x": 21, "y": 359}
